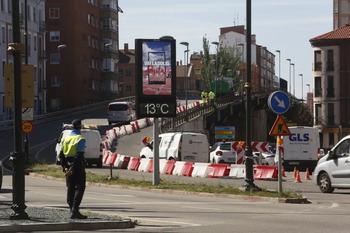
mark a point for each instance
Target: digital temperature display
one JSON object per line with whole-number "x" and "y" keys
{"x": 157, "y": 109}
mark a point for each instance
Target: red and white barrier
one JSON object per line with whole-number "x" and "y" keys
{"x": 237, "y": 171}
{"x": 144, "y": 165}
{"x": 179, "y": 166}
{"x": 218, "y": 170}
{"x": 200, "y": 170}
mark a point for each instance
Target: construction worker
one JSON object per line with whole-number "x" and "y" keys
{"x": 204, "y": 96}
{"x": 73, "y": 165}
{"x": 211, "y": 97}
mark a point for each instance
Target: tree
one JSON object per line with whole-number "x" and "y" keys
{"x": 228, "y": 61}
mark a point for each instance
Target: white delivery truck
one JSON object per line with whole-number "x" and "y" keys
{"x": 301, "y": 148}
{"x": 179, "y": 146}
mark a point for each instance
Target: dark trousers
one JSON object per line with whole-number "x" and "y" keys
{"x": 75, "y": 190}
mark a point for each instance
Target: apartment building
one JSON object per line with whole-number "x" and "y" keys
{"x": 127, "y": 71}
{"x": 331, "y": 75}
{"x": 262, "y": 60}
{"x": 32, "y": 21}
{"x": 341, "y": 13}
{"x": 82, "y": 47}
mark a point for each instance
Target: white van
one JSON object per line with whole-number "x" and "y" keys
{"x": 180, "y": 146}
{"x": 93, "y": 146}
{"x": 121, "y": 112}
{"x": 301, "y": 148}
{"x": 333, "y": 169}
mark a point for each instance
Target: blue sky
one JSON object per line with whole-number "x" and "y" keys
{"x": 285, "y": 25}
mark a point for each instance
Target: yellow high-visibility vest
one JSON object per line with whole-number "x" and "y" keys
{"x": 70, "y": 143}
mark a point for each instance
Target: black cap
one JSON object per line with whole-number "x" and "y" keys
{"x": 76, "y": 124}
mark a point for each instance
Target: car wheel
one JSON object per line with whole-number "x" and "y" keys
{"x": 324, "y": 183}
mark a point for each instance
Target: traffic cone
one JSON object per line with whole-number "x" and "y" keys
{"x": 307, "y": 175}
{"x": 283, "y": 173}
{"x": 297, "y": 179}
{"x": 295, "y": 172}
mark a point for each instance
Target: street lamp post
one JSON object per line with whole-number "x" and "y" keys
{"x": 293, "y": 78}
{"x": 279, "y": 66}
{"x": 216, "y": 63}
{"x": 59, "y": 48}
{"x": 302, "y": 84}
{"x": 290, "y": 88}
{"x": 186, "y": 75}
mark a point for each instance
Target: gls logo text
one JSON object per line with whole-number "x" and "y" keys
{"x": 297, "y": 137}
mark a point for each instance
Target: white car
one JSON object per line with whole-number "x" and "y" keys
{"x": 333, "y": 169}
{"x": 223, "y": 153}
{"x": 267, "y": 158}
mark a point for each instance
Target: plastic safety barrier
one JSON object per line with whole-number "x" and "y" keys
{"x": 237, "y": 171}
{"x": 263, "y": 172}
{"x": 179, "y": 166}
{"x": 123, "y": 162}
{"x": 200, "y": 170}
{"x": 134, "y": 164}
{"x": 169, "y": 167}
{"x": 187, "y": 169}
{"x": 218, "y": 170}
{"x": 144, "y": 165}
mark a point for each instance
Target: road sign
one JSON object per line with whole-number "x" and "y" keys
{"x": 27, "y": 114}
{"x": 27, "y": 127}
{"x": 280, "y": 127}
{"x": 278, "y": 102}
{"x": 225, "y": 132}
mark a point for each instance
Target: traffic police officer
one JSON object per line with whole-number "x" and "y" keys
{"x": 211, "y": 97}
{"x": 73, "y": 164}
{"x": 204, "y": 96}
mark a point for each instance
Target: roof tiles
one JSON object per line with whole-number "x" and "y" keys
{"x": 339, "y": 33}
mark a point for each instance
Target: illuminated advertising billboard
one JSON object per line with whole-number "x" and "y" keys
{"x": 155, "y": 77}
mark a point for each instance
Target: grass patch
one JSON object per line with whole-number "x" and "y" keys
{"x": 103, "y": 179}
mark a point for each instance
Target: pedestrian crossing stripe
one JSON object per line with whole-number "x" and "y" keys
{"x": 280, "y": 127}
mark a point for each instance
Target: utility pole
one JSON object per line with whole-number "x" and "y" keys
{"x": 249, "y": 179}
{"x": 17, "y": 157}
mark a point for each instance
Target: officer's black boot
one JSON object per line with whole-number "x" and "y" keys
{"x": 77, "y": 215}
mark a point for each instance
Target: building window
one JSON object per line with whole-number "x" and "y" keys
{"x": 34, "y": 14}
{"x": 34, "y": 43}
{"x": 3, "y": 35}
{"x": 331, "y": 139}
{"x": 54, "y": 58}
{"x": 128, "y": 88}
{"x": 54, "y": 35}
{"x": 330, "y": 60}
{"x": 318, "y": 114}
{"x": 9, "y": 6}
{"x": 54, "y": 13}
{"x": 55, "y": 81}
{"x": 318, "y": 87}
{"x": 29, "y": 13}
{"x": 2, "y": 5}
{"x": 318, "y": 61}
{"x": 330, "y": 87}
{"x": 128, "y": 73}
{"x": 330, "y": 114}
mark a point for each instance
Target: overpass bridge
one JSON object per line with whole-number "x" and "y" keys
{"x": 227, "y": 111}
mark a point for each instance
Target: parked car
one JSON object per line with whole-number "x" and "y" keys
{"x": 223, "y": 153}
{"x": 93, "y": 145}
{"x": 333, "y": 169}
{"x": 121, "y": 112}
{"x": 1, "y": 174}
{"x": 267, "y": 158}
